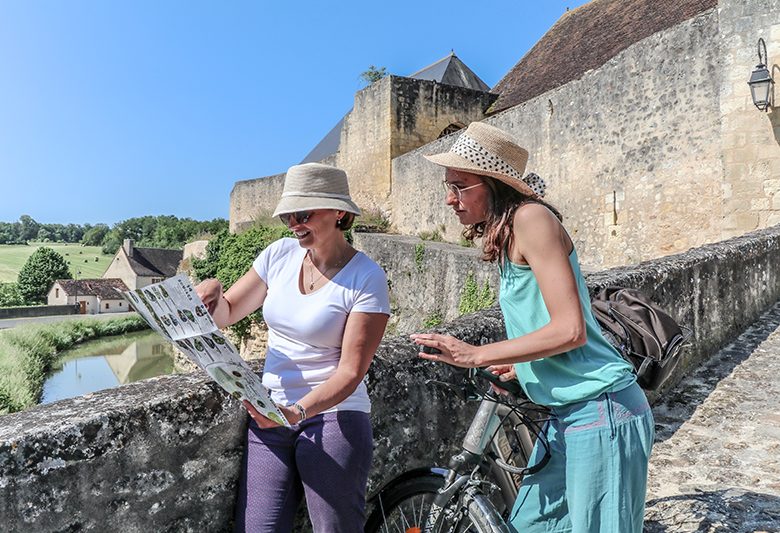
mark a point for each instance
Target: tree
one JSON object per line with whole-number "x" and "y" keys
{"x": 94, "y": 236}
{"x": 45, "y": 235}
{"x": 29, "y": 228}
{"x": 39, "y": 272}
{"x": 373, "y": 74}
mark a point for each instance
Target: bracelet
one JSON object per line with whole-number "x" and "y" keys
{"x": 301, "y": 411}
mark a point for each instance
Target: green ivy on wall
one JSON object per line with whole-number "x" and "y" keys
{"x": 473, "y": 298}
{"x": 432, "y": 320}
{"x": 419, "y": 252}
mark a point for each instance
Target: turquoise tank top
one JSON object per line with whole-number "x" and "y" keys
{"x": 574, "y": 376}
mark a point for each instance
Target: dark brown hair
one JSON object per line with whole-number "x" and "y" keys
{"x": 496, "y": 229}
{"x": 345, "y": 222}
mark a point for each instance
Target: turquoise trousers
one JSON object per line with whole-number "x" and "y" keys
{"x": 596, "y": 479}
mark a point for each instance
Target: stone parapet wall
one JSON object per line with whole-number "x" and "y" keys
{"x": 38, "y": 310}
{"x": 157, "y": 455}
{"x": 426, "y": 278}
{"x": 164, "y": 454}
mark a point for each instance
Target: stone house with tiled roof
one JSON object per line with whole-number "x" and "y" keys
{"x": 139, "y": 267}
{"x": 93, "y": 296}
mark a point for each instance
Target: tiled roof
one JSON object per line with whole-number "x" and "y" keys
{"x": 155, "y": 262}
{"x": 103, "y": 288}
{"x": 587, "y": 37}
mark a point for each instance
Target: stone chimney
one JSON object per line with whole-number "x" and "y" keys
{"x": 128, "y": 246}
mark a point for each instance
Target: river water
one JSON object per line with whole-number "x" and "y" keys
{"x": 106, "y": 363}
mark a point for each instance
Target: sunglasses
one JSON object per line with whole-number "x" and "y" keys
{"x": 301, "y": 217}
{"x": 458, "y": 191}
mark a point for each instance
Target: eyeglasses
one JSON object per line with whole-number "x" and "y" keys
{"x": 301, "y": 217}
{"x": 458, "y": 191}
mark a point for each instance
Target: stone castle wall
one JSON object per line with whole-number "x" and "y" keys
{"x": 658, "y": 151}
{"x": 422, "y": 109}
{"x": 364, "y": 149}
{"x": 750, "y": 140}
{"x": 255, "y": 198}
{"x": 389, "y": 117}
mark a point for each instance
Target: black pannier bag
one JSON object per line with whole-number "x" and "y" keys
{"x": 642, "y": 332}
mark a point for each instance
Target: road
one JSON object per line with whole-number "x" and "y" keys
{"x": 716, "y": 462}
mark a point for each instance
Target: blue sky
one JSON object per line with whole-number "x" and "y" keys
{"x": 111, "y": 110}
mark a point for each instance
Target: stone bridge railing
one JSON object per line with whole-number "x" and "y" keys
{"x": 164, "y": 454}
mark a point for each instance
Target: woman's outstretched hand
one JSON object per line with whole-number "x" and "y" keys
{"x": 453, "y": 351}
{"x": 209, "y": 291}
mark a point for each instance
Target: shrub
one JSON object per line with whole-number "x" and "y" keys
{"x": 229, "y": 256}
{"x": 10, "y": 295}
{"x": 39, "y": 272}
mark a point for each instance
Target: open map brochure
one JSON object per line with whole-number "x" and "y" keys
{"x": 176, "y": 312}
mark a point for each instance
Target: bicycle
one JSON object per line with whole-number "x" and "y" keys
{"x": 478, "y": 489}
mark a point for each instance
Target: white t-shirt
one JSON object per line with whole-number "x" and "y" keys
{"x": 305, "y": 330}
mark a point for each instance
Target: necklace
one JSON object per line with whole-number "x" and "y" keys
{"x": 312, "y": 281}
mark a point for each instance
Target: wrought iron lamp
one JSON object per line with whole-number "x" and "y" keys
{"x": 761, "y": 82}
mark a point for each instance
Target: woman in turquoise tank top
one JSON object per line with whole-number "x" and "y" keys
{"x": 603, "y": 429}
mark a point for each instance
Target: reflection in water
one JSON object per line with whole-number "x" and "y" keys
{"x": 107, "y": 363}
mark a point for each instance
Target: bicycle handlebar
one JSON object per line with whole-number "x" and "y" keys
{"x": 512, "y": 387}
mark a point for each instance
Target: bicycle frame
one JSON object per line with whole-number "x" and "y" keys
{"x": 485, "y": 447}
{"x": 502, "y": 428}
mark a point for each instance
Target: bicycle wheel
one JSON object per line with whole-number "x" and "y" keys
{"x": 404, "y": 508}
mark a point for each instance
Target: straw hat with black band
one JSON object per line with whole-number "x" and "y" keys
{"x": 315, "y": 186}
{"x": 488, "y": 151}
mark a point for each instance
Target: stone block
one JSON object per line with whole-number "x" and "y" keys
{"x": 746, "y": 221}
{"x": 746, "y": 154}
{"x": 770, "y": 219}
{"x": 772, "y": 186}
{"x": 774, "y": 36}
{"x": 726, "y": 190}
{"x": 759, "y": 204}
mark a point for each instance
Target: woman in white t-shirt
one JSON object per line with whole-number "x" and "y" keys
{"x": 326, "y": 306}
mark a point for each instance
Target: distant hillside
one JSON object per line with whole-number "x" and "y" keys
{"x": 89, "y": 260}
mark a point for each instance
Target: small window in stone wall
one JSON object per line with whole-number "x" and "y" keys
{"x": 56, "y": 293}
{"x": 106, "y": 306}
{"x": 452, "y": 128}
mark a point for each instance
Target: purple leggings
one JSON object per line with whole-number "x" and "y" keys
{"x": 326, "y": 457}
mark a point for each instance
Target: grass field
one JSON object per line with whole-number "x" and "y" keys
{"x": 80, "y": 258}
